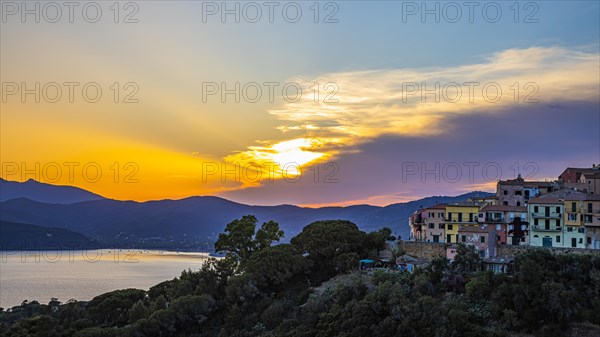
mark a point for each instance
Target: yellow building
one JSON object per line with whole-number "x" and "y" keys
{"x": 460, "y": 215}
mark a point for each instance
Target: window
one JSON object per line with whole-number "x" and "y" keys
{"x": 573, "y": 207}
{"x": 449, "y": 227}
{"x": 518, "y": 203}
{"x": 557, "y": 238}
{"x": 581, "y": 230}
{"x": 498, "y": 227}
{"x": 523, "y": 227}
{"x": 589, "y": 240}
{"x": 558, "y": 223}
{"x": 572, "y": 217}
{"x": 580, "y": 240}
{"x": 463, "y": 238}
{"x": 449, "y": 216}
{"x": 518, "y": 192}
{"x": 558, "y": 210}
{"x": 589, "y": 207}
{"x": 511, "y": 227}
{"x": 535, "y": 209}
{"x": 431, "y": 225}
{"x": 547, "y": 224}
{"x": 441, "y": 226}
{"x": 505, "y": 203}
{"x": 482, "y": 239}
{"x": 460, "y": 217}
{"x": 569, "y": 229}
{"x": 505, "y": 192}
{"x": 536, "y": 222}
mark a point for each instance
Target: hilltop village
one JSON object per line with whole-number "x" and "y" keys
{"x": 564, "y": 213}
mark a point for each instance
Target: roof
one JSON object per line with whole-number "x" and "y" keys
{"x": 438, "y": 206}
{"x": 534, "y": 184}
{"x": 498, "y": 260}
{"x": 465, "y": 204}
{"x": 504, "y": 208}
{"x": 591, "y": 175}
{"x": 557, "y": 197}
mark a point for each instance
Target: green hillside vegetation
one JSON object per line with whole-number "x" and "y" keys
{"x": 310, "y": 288}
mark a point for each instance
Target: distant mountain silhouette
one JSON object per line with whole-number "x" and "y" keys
{"x": 52, "y": 194}
{"x": 187, "y": 223}
{"x": 19, "y": 236}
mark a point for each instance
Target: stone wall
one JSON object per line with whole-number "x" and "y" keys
{"x": 511, "y": 251}
{"x": 423, "y": 250}
{"x": 429, "y": 250}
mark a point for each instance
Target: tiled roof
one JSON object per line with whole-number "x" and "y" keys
{"x": 504, "y": 208}
{"x": 558, "y": 197}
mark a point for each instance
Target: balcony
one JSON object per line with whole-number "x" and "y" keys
{"x": 544, "y": 229}
{"x": 546, "y": 216}
{"x": 494, "y": 219}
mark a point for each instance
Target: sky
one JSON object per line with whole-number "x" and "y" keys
{"x": 307, "y": 103}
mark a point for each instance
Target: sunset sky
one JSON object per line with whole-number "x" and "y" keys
{"x": 367, "y": 136}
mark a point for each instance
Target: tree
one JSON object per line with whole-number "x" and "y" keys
{"x": 138, "y": 311}
{"x": 467, "y": 260}
{"x": 333, "y": 246}
{"x": 241, "y": 239}
{"x": 111, "y": 308}
{"x": 276, "y": 266}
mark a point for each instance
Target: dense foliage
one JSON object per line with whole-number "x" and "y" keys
{"x": 310, "y": 288}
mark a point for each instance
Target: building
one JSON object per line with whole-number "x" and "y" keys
{"x": 573, "y": 219}
{"x": 459, "y": 215}
{"x": 517, "y": 192}
{"x": 510, "y": 222}
{"x": 573, "y": 174}
{"x": 482, "y": 237}
{"x": 591, "y": 182}
{"x": 589, "y": 212}
{"x": 546, "y": 214}
{"x": 416, "y": 222}
{"x": 499, "y": 265}
{"x": 435, "y": 218}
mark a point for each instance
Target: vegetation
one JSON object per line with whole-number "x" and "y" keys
{"x": 310, "y": 288}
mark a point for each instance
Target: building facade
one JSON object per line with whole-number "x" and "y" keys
{"x": 510, "y": 223}
{"x": 546, "y": 220}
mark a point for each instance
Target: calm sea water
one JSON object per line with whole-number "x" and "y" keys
{"x": 81, "y": 275}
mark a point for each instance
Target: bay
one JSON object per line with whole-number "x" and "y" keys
{"x": 82, "y": 275}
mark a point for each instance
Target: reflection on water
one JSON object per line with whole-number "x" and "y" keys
{"x": 82, "y": 275}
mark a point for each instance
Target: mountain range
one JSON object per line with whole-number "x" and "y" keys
{"x": 187, "y": 224}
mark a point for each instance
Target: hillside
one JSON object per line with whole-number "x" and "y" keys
{"x": 53, "y": 194}
{"x": 19, "y": 236}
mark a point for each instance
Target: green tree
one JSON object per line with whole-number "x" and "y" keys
{"x": 110, "y": 309}
{"x": 467, "y": 260}
{"x": 138, "y": 311}
{"x": 277, "y": 266}
{"x": 241, "y": 239}
{"x": 333, "y": 246}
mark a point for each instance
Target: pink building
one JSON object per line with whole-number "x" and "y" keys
{"x": 510, "y": 223}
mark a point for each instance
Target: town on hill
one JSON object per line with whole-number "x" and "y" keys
{"x": 564, "y": 213}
